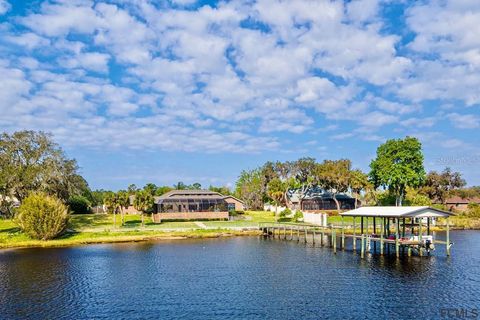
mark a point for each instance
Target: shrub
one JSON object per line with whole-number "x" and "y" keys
{"x": 79, "y": 205}
{"x": 42, "y": 217}
{"x": 284, "y": 213}
{"x": 473, "y": 210}
{"x": 298, "y": 216}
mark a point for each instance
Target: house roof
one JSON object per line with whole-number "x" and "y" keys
{"x": 189, "y": 194}
{"x": 314, "y": 193}
{"x": 397, "y": 212}
{"x": 241, "y": 201}
{"x": 460, "y": 200}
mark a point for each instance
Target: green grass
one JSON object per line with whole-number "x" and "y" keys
{"x": 99, "y": 228}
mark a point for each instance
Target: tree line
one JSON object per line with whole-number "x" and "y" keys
{"x": 397, "y": 176}
{"x": 32, "y": 161}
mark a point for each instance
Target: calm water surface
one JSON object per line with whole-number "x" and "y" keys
{"x": 235, "y": 278}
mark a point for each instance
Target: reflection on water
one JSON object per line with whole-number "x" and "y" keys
{"x": 235, "y": 278}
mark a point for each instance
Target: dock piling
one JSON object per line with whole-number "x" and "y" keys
{"x": 362, "y": 247}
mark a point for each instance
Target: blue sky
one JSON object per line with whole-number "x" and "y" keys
{"x": 163, "y": 91}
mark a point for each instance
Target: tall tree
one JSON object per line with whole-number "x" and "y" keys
{"x": 180, "y": 186}
{"x": 276, "y": 190}
{"x": 196, "y": 186}
{"x": 110, "y": 200}
{"x": 143, "y": 203}
{"x": 250, "y": 188}
{"x": 132, "y": 189}
{"x": 123, "y": 201}
{"x": 334, "y": 175}
{"x": 358, "y": 183}
{"x": 32, "y": 161}
{"x": 303, "y": 175}
{"x": 398, "y": 165}
{"x": 439, "y": 185}
{"x": 151, "y": 188}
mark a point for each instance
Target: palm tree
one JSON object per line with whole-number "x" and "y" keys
{"x": 143, "y": 203}
{"x": 111, "y": 202}
{"x": 123, "y": 199}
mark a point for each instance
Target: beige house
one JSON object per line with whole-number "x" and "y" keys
{"x": 191, "y": 205}
{"x": 460, "y": 204}
{"x": 234, "y": 203}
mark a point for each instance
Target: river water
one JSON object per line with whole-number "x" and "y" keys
{"x": 238, "y": 278}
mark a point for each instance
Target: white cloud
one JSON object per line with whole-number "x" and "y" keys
{"x": 464, "y": 121}
{"x": 89, "y": 60}
{"x": 62, "y": 18}
{"x": 362, "y": 10}
{"x": 240, "y": 72}
{"x": 4, "y": 6}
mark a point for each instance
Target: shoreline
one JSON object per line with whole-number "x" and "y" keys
{"x": 87, "y": 238}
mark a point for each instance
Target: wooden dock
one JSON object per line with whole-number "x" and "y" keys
{"x": 336, "y": 237}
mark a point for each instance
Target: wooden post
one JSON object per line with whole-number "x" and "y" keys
{"x": 448, "y": 238}
{"x": 305, "y": 229}
{"x": 343, "y": 235}
{"x": 313, "y": 236}
{"x": 375, "y": 232}
{"x": 381, "y": 236}
{"x": 366, "y": 226}
{"x": 361, "y": 225}
{"x": 409, "y": 251}
{"x": 334, "y": 239}
{"x": 397, "y": 246}
{"x": 284, "y": 233}
{"x": 291, "y": 233}
{"x": 362, "y": 247}
{"x": 322, "y": 236}
{"x": 420, "y": 231}
{"x": 298, "y": 234}
{"x": 367, "y": 243}
{"x": 354, "y": 241}
{"x": 428, "y": 226}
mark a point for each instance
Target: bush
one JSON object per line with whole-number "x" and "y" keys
{"x": 284, "y": 213}
{"x": 298, "y": 216}
{"x": 79, "y": 205}
{"x": 473, "y": 210}
{"x": 42, "y": 217}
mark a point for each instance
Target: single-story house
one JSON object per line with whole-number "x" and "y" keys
{"x": 457, "y": 203}
{"x": 316, "y": 199}
{"x": 234, "y": 203}
{"x": 193, "y": 205}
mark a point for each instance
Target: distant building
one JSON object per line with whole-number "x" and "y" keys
{"x": 457, "y": 203}
{"x": 194, "y": 205}
{"x": 316, "y": 199}
{"x": 234, "y": 203}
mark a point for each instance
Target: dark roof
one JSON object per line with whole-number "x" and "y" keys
{"x": 189, "y": 194}
{"x": 226, "y": 197}
{"x": 460, "y": 200}
{"x": 315, "y": 193}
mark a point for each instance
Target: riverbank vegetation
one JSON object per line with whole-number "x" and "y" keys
{"x": 99, "y": 228}
{"x": 32, "y": 162}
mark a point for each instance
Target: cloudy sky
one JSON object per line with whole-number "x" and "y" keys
{"x": 182, "y": 90}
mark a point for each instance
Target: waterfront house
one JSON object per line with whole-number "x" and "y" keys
{"x": 234, "y": 203}
{"x": 316, "y": 199}
{"x": 191, "y": 205}
{"x": 460, "y": 204}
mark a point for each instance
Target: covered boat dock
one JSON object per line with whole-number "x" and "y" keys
{"x": 383, "y": 230}
{"x": 404, "y": 227}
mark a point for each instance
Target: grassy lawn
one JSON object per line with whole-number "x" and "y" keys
{"x": 99, "y": 228}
